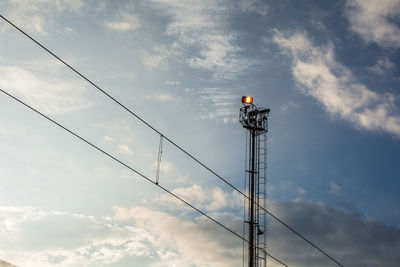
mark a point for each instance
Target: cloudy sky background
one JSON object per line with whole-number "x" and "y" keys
{"x": 327, "y": 69}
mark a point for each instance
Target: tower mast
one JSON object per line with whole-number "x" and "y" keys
{"x": 256, "y": 122}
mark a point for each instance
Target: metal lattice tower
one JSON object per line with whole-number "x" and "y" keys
{"x": 256, "y": 122}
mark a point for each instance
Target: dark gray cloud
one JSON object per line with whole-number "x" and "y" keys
{"x": 343, "y": 232}
{"x": 5, "y": 264}
{"x": 349, "y": 237}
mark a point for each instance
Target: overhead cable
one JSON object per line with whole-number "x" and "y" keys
{"x": 136, "y": 171}
{"x": 166, "y": 138}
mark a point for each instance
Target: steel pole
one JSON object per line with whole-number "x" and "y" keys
{"x": 252, "y": 191}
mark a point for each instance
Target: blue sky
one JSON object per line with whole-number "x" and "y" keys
{"x": 327, "y": 69}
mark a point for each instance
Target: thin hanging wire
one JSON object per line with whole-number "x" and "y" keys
{"x": 133, "y": 170}
{"x": 169, "y": 140}
{"x": 160, "y": 151}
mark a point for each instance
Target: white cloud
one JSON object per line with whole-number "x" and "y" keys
{"x": 220, "y": 55}
{"x": 218, "y": 103}
{"x": 159, "y": 55}
{"x": 219, "y": 200}
{"x": 383, "y": 66}
{"x": 5, "y": 264}
{"x": 255, "y": 6}
{"x": 34, "y": 237}
{"x": 124, "y": 150}
{"x": 193, "y": 194}
{"x": 108, "y": 138}
{"x": 301, "y": 191}
{"x": 335, "y": 189}
{"x": 54, "y": 238}
{"x": 289, "y": 106}
{"x": 33, "y": 15}
{"x": 161, "y": 96}
{"x": 203, "y": 25}
{"x": 172, "y": 82}
{"x": 376, "y": 21}
{"x": 209, "y": 199}
{"x": 185, "y": 243}
{"x": 152, "y": 61}
{"x": 128, "y": 22}
{"x": 317, "y": 72}
{"x": 50, "y": 95}
{"x": 166, "y": 167}
{"x": 169, "y": 172}
{"x": 10, "y": 130}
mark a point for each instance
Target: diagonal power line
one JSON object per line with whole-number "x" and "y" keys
{"x": 137, "y": 172}
{"x": 169, "y": 140}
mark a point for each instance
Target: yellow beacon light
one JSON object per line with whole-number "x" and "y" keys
{"x": 247, "y": 100}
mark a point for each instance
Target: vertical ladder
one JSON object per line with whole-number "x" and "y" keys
{"x": 261, "y": 238}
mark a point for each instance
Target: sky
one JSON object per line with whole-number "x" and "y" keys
{"x": 328, "y": 70}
